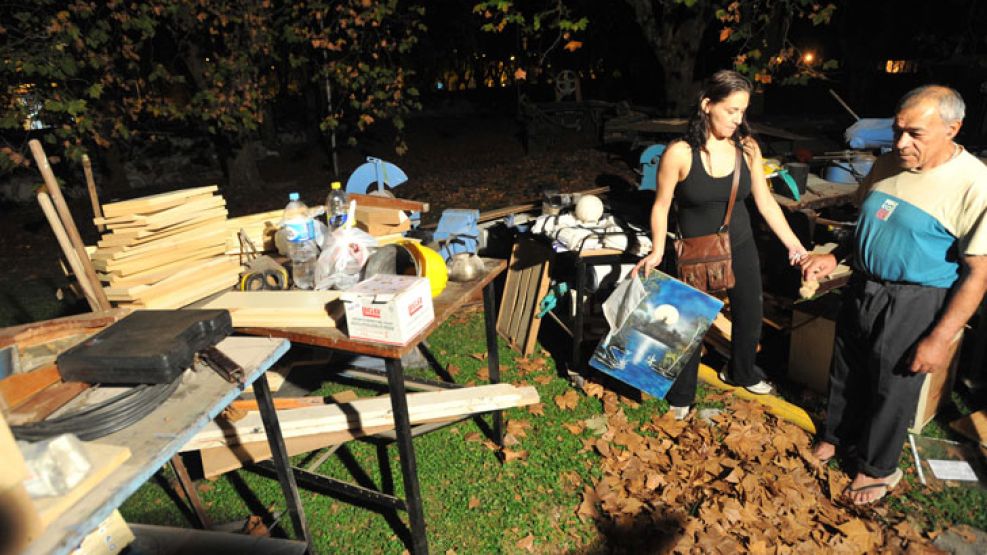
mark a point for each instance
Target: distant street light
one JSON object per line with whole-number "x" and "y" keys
{"x": 808, "y": 58}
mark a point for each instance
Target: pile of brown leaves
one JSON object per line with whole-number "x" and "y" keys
{"x": 743, "y": 481}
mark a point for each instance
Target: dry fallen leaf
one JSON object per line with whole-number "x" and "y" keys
{"x": 574, "y": 428}
{"x": 452, "y": 369}
{"x": 473, "y": 437}
{"x": 527, "y": 543}
{"x": 538, "y": 409}
{"x": 544, "y": 380}
{"x": 567, "y": 400}
{"x": 480, "y": 356}
{"x": 511, "y": 455}
{"x": 474, "y": 502}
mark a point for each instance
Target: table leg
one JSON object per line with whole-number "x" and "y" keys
{"x": 279, "y": 452}
{"x": 190, "y": 493}
{"x": 409, "y": 466}
{"x": 577, "y": 330}
{"x": 493, "y": 356}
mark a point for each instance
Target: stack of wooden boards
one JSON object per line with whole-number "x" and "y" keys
{"x": 166, "y": 250}
{"x": 227, "y": 445}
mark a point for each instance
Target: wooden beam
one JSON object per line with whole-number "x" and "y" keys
{"x": 18, "y": 388}
{"x": 364, "y": 414}
{"x": 154, "y": 203}
{"x": 66, "y": 218}
{"x": 376, "y": 201}
{"x": 36, "y": 333}
{"x": 87, "y": 169}
{"x": 69, "y": 252}
{"x": 45, "y": 402}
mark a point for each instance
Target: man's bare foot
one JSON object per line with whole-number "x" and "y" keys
{"x": 867, "y": 489}
{"x": 824, "y": 451}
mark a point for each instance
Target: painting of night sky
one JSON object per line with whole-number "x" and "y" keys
{"x": 650, "y": 348}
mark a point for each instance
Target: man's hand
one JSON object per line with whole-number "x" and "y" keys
{"x": 648, "y": 263}
{"x": 931, "y": 355}
{"x": 817, "y": 266}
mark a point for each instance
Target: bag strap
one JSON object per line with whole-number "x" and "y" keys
{"x": 733, "y": 190}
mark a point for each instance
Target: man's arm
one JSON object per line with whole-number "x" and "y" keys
{"x": 932, "y": 352}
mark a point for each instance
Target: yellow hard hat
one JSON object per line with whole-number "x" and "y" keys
{"x": 430, "y": 265}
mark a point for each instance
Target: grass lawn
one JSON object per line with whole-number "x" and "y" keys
{"x": 473, "y": 504}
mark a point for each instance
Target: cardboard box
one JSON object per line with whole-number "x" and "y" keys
{"x": 811, "y": 352}
{"x": 388, "y": 309}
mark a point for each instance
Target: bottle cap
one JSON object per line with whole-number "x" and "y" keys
{"x": 292, "y": 196}
{"x": 336, "y": 185}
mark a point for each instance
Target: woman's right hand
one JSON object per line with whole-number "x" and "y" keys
{"x": 649, "y": 263}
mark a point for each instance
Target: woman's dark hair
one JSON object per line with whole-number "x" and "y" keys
{"x": 716, "y": 88}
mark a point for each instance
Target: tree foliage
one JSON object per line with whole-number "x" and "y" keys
{"x": 755, "y": 33}
{"x": 99, "y": 73}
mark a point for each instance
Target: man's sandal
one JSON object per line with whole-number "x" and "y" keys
{"x": 888, "y": 486}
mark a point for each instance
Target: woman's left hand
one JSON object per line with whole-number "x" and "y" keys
{"x": 795, "y": 254}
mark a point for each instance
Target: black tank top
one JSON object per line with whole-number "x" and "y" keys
{"x": 701, "y": 202}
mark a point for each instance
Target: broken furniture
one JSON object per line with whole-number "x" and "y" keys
{"x": 157, "y": 438}
{"x": 455, "y": 295}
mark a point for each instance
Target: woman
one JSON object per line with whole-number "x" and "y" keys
{"x": 697, "y": 172}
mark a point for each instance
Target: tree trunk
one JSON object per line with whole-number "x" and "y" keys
{"x": 674, "y": 33}
{"x": 241, "y": 164}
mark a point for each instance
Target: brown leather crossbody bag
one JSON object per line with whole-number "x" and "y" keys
{"x": 705, "y": 262}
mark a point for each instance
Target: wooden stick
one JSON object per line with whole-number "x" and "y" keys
{"x": 388, "y": 202}
{"x": 18, "y": 388}
{"x": 87, "y": 168}
{"x": 70, "y": 255}
{"x": 63, "y": 212}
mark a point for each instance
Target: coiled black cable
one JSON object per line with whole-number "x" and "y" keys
{"x": 103, "y": 418}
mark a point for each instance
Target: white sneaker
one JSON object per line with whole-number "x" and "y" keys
{"x": 679, "y": 412}
{"x": 761, "y": 388}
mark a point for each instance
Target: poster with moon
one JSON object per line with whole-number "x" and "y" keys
{"x": 652, "y": 345}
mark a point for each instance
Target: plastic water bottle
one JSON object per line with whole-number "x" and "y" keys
{"x": 302, "y": 250}
{"x": 336, "y": 206}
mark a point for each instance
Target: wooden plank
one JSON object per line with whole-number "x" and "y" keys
{"x": 87, "y": 274}
{"x": 45, "y": 402}
{"x": 14, "y": 471}
{"x": 36, "y": 333}
{"x": 541, "y": 289}
{"x": 220, "y": 460}
{"x": 509, "y": 297}
{"x": 210, "y": 235}
{"x": 157, "y": 274}
{"x": 367, "y": 413}
{"x": 154, "y": 202}
{"x": 280, "y": 403}
{"x": 138, "y": 238}
{"x": 387, "y": 202}
{"x": 69, "y": 252}
{"x": 18, "y": 388}
{"x": 105, "y": 459}
{"x": 280, "y": 308}
{"x": 146, "y": 263}
{"x": 186, "y": 296}
{"x": 216, "y": 270}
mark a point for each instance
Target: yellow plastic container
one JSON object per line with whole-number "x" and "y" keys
{"x": 430, "y": 264}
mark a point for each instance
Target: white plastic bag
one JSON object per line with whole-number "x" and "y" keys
{"x": 344, "y": 252}
{"x": 55, "y": 465}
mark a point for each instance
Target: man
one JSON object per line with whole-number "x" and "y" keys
{"x": 920, "y": 271}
